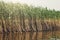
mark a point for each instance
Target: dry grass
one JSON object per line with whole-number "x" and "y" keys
{"x": 28, "y": 35}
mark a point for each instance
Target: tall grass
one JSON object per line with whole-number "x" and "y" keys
{"x": 21, "y": 18}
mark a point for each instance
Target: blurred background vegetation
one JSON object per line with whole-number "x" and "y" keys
{"x": 8, "y": 10}
{"x": 14, "y": 18}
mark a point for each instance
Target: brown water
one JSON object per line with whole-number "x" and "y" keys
{"x": 27, "y": 36}
{"x": 21, "y": 36}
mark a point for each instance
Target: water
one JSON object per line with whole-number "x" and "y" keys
{"x": 27, "y": 36}
{"x": 21, "y": 36}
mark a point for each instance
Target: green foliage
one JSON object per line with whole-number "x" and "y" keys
{"x": 9, "y": 10}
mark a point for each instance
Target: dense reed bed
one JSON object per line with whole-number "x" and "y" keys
{"x": 23, "y": 22}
